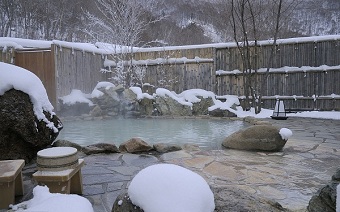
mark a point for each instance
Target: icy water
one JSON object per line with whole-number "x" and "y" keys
{"x": 207, "y": 133}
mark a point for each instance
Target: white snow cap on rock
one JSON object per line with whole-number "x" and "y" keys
{"x": 140, "y": 95}
{"x": 285, "y": 133}
{"x": 170, "y": 188}
{"x": 18, "y": 78}
{"x": 97, "y": 93}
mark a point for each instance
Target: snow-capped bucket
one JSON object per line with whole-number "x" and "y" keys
{"x": 57, "y": 159}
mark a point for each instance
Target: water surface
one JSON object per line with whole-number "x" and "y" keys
{"x": 207, "y": 133}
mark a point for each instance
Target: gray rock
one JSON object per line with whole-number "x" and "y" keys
{"x": 96, "y": 111}
{"x": 135, "y": 145}
{"x": 170, "y": 107}
{"x": 164, "y": 148}
{"x": 146, "y": 106}
{"x": 76, "y": 109}
{"x": 221, "y": 113}
{"x": 325, "y": 199}
{"x": 21, "y": 134}
{"x": 65, "y": 143}
{"x": 336, "y": 176}
{"x": 124, "y": 204}
{"x": 233, "y": 199}
{"x": 118, "y": 89}
{"x": 257, "y": 137}
{"x": 201, "y": 108}
{"x": 100, "y": 148}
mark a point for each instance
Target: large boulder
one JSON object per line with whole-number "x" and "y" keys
{"x": 100, "y": 148}
{"x": 22, "y": 135}
{"x": 234, "y": 199}
{"x": 325, "y": 199}
{"x": 201, "y": 107}
{"x": 257, "y": 137}
{"x": 146, "y": 106}
{"x": 170, "y": 107}
{"x": 135, "y": 145}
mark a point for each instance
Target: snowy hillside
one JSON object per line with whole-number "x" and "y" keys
{"x": 183, "y": 22}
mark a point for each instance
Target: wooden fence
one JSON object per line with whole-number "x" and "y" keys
{"x": 77, "y": 69}
{"x": 41, "y": 63}
{"x": 178, "y": 69}
{"x": 325, "y": 52}
{"x": 62, "y": 69}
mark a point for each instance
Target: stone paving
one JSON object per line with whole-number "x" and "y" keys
{"x": 290, "y": 177}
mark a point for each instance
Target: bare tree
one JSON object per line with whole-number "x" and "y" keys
{"x": 8, "y": 14}
{"x": 121, "y": 23}
{"x": 252, "y": 20}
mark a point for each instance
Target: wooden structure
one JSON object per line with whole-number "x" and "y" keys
{"x": 11, "y": 184}
{"x": 60, "y": 170}
{"x": 63, "y": 68}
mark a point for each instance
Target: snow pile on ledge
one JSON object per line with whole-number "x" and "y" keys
{"x": 168, "y": 188}
{"x": 285, "y": 133}
{"x": 14, "y": 77}
{"x": 45, "y": 201}
{"x": 76, "y": 96}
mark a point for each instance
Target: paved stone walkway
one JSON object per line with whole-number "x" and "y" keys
{"x": 309, "y": 159}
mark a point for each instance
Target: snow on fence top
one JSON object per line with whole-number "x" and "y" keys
{"x": 284, "y": 69}
{"x": 104, "y": 48}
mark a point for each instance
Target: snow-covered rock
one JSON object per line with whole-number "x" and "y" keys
{"x": 170, "y": 188}
{"x": 258, "y": 137}
{"x": 28, "y": 123}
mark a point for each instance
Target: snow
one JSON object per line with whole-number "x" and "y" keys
{"x": 14, "y": 77}
{"x": 140, "y": 95}
{"x": 76, "y": 96}
{"x": 57, "y": 152}
{"x": 285, "y": 133}
{"x": 20, "y": 43}
{"x": 45, "y": 201}
{"x": 189, "y": 97}
{"x": 104, "y": 48}
{"x": 285, "y": 69}
{"x": 166, "y": 93}
{"x": 97, "y": 93}
{"x": 170, "y": 188}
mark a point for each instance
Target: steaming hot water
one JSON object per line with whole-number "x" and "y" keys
{"x": 207, "y": 133}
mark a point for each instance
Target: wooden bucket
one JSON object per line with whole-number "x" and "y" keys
{"x": 57, "y": 159}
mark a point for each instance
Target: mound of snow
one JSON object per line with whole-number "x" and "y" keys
{"x": 45, "y": 201}
{"x": 285, "y": 133}
{"x": 170, "y": 188}
{"x": 76, "y": 96}
{"x": 97, "y": 93}
{"x": 140, "y": 95}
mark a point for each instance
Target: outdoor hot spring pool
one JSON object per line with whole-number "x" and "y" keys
{"x": 207, "y": 133}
